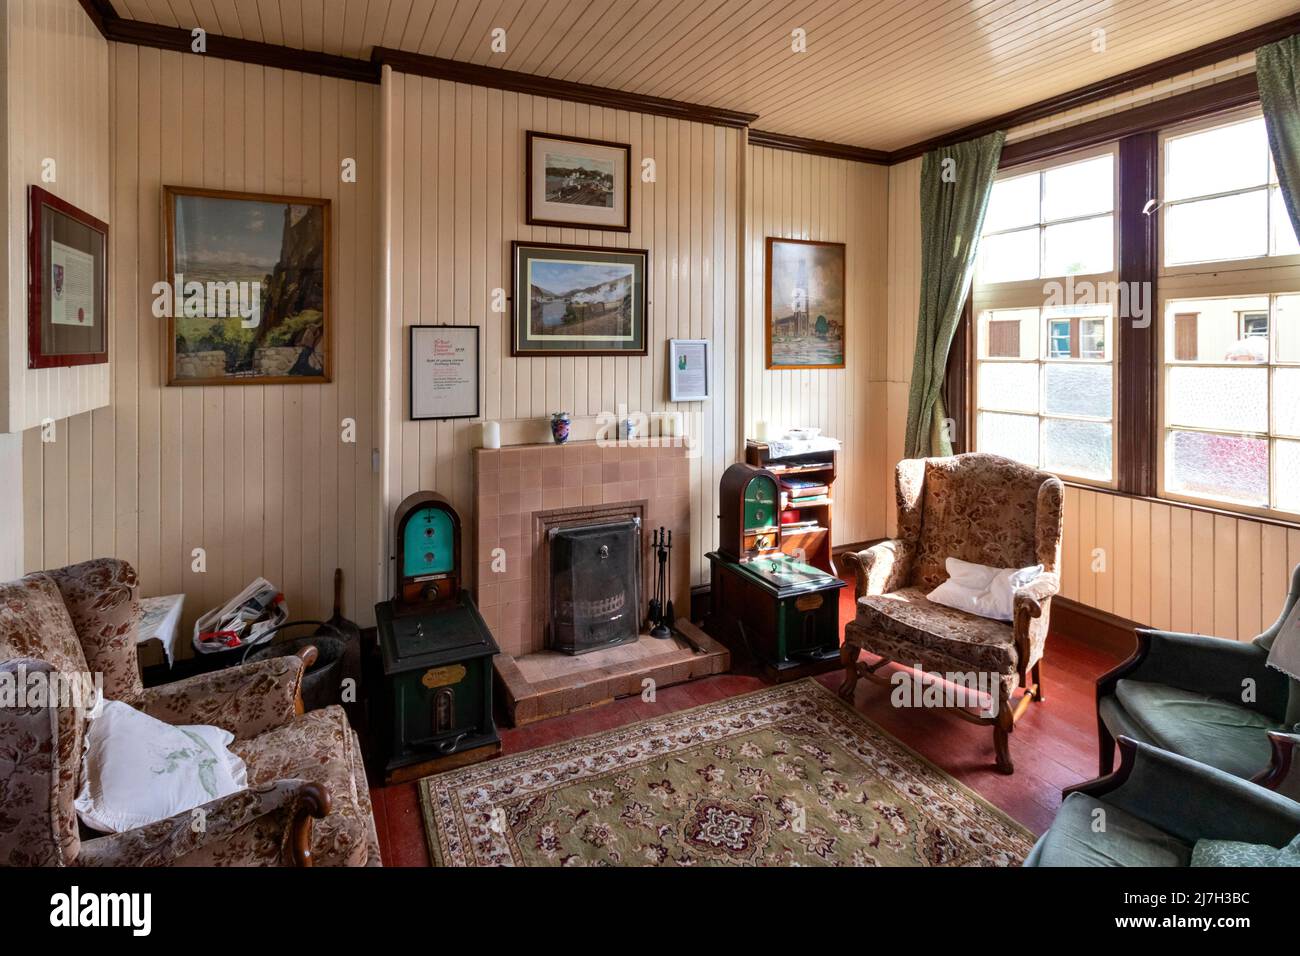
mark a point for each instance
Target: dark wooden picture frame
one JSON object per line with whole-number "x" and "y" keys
{"x": 43, "y": 334}
{"x": 767, "y": 301}
{"x": 410, "y": 373}
{"x": 534, "y": 218}
{"x": 521, "y": 302}
{"x": 170, "y": 195}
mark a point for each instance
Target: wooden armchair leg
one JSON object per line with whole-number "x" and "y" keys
{"x": 1105, "y": 749}
{"x": 849, "y": 658}
{"x": 1037, "y": 673}
{"x": 1002, "y": 731}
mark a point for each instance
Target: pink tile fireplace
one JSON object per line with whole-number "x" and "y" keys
{"x": 525, "y": 493}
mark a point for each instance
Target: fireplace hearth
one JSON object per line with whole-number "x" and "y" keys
{"x": 595, "y": 578}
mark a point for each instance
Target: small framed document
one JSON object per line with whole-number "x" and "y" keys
{"x": 444, "y": 371}
{"x": 67, "y": 294}
{"x": 688, "y": 370}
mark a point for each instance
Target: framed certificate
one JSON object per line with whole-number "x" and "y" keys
{"x": 67, "y": 288}
{"x": 443, "y": 371}
{"x": 688, "y": 370}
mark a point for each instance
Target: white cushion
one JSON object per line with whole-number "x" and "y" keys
{"x": 138, "y": 770}
{"x": 977, "y": 589}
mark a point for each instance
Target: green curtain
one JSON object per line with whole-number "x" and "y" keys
{"x": 1278, "y": 68}
{"x": 955, "y": 185}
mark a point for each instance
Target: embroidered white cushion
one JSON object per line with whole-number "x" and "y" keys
{"x": 977, "y": 589}
{"x": 138, "y": 770}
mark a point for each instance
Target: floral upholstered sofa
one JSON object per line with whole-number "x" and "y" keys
{"x": 307, "y": 801}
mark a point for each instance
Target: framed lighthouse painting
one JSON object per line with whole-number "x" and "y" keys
{"x": 804, "y": 309}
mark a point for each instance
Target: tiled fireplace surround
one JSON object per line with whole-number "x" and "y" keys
{"x": 521, "y": 491}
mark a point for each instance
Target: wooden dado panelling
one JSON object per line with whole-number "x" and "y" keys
{"x": 58, "y": 114}
{"x": 256, "y": 475}
{"x": 455, "y": 174}
{"x": 798, "y": 196}
{"x": 1177, "y": 568}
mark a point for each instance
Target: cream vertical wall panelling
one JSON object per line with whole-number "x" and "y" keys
{"x": 1160, "y": 564}
{"x": 455, "y": 170}
{"x": 58, "y": 114}
{"x": 258, "y": 476}
{"x": 798, "y": 196}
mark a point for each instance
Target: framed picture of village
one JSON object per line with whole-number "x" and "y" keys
{"x": 805, "y": 304}
{"x": 247, "y": 288}
{"x": 578, "y": 183}
{"x": 578, "y": 300}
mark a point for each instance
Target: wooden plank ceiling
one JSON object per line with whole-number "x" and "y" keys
{"x": 880, "y": 73}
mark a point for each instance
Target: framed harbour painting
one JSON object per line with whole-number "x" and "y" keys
{"x": 250, "y": 279}
{"x": 578, "y": 300}
{"x": 578, "y": 183}
{"x": 804, "y": 310}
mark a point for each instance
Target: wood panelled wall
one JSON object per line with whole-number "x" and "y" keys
{"x": 455, "y": 174}
{"x": 798, "y": 196}
{"x": 258, "y": 476}
{"x": 1159, "y": 564}
{"x": 58, "y": 114}
{"x": 1168, "y": 566}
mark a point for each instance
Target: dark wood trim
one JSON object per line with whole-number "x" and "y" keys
{"x": 439, "y": 68}
{"x": 121, "y": 30}
{"x": 1088, "y": 625}
{"x": 314, "y": 803}
{"x": 100, "y": 12}
{"x": 1214, "y": 52}
{"x": 1109, "y": 781}
{"x": 1137, "y": 354}
{"x": 532, "y": 135}
{"x": 1281, "y": 759}
{"x": 818, "y": 147}
{"x": 1206, "y": 101}
{"x": 957, "y": 378}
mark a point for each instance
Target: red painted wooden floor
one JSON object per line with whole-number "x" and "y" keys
{"x": 1054, "y": 743}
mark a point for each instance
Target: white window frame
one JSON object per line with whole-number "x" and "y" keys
{"x": 1030, "y": 294}
{"x": 1262, "y": 276}
{"x": 1222, "y": 265}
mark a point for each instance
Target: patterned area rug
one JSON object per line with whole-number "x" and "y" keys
{"x": 789, "y": 775}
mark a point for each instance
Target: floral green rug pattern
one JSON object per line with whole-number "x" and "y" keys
{"x": 785, "y": 776}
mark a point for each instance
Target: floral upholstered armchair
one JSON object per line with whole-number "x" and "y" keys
{"x": 979, "y": 508}
{"x": 307, "y": 800}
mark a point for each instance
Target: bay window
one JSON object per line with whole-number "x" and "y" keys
{"x": 1230, "y": 368}
{"x": 1044, "y": 356}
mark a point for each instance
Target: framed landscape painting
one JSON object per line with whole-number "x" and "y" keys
{"x": 805, "y": 304}
{"x": 250, "y": 287}
{"x": 578, "y": 300}
{"x": 578, "y": 183}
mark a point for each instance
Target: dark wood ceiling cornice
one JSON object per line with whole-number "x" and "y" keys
{"x": 818, "y": 147}
{"x": 122, "y": 30}
{"x": 444, "y": 69}
{"x": 1181, "y": 108}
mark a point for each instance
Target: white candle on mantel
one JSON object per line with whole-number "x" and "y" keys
{"x": 760, "y": 431}
{"x": 491, "y": 434}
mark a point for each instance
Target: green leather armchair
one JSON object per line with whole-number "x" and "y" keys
{"x": 1212, "y": 699}
{"x": 1155, "y": 807}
